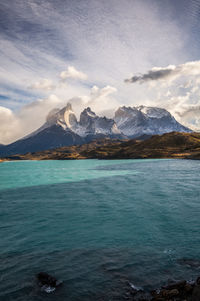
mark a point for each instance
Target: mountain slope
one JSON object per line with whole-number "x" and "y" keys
{"x": 137, "y": 121}
{"x": 48, "y": 138}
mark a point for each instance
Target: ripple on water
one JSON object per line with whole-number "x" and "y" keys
{"x": 98, "y": 234}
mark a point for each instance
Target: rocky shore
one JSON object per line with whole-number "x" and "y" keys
{"x": 175, "y": 291}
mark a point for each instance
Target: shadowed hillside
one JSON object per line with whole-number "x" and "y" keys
{"x": 170, "y": 145}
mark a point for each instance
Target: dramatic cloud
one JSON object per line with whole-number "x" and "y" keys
{"x": 99, "y": 99}
{"x": 10, "y": 126}
{"x": 30, "y": 117}
{"x": 73, "y": 73}
{"x": 170, "y": 73}
{"x": 38, "y": 38}
{"x": 106, "y": 40}
{"x": 43, "y": 84}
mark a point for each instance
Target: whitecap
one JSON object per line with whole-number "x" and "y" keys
{"x": 135, "y": 288}
{"x": 48, "y": 289}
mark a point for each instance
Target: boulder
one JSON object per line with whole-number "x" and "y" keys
{"x": 196, "y": 291}
{"x": 47, "y": 282}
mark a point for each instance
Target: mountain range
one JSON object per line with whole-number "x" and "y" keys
{"x": 63, "y": 129}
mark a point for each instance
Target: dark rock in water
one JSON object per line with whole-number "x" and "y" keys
{"x": 175, "y": 285}
{"x": 138, "y": 293}
{"x": 193, "y": 263}
{"x": 188, "y": 288}
{"x": 135, "y": 289}
{"x": 179, "y": 291}
{"x": 142, "y": 296}
{"x": 47, "y": 279}
{"x": 198, "y": 281}
{"x": 47, "y": 282}
{"x": 196, "y": 293}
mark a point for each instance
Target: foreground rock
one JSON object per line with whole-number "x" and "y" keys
{"x": 177, "y": 291}
{"x": 47, "y": 282}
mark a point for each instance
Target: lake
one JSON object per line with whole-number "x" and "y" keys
{"x": 97, "y": 225}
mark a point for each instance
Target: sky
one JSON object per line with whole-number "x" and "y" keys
{"x": 102, "y": 54}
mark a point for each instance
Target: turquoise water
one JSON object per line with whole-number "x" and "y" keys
{"x": 97, "y": 224}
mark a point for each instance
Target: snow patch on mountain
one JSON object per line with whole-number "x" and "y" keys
{"x": 153, "y": 111}
{"x": 137, "y": 121}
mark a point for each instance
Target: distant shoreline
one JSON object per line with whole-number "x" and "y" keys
{"x": 174, "y": 145}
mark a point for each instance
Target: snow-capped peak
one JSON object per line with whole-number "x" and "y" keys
{"x": 64, "y": 117}
{"x": 128, "y": 121}
{"x": 137, "y": 121}
{"x": 89, "y": 112}
{"x": 153, "y": 112}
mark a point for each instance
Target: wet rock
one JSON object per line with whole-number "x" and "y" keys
{"x": 47, "y": 282}
{"x": 178, "y": 291}
{"x": 142, "y": 296}
{"x": 176, "y": 285}
{"x": 196, "y": 291}
{"x": 165, "y": 294}
{"x": 137, "y": 293}
{"x": 170, "y": 293}
{"x": 198, "y": 281}
{"x": 188, "y": 288}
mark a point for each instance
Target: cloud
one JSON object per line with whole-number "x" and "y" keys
{"x": 31, "y": 116}
{"x": 97, "y": 92}
{"x": 191, "y": 116}
{"x": 39, "y": 38}
{"x": 190, "y": 111}
{"x": 10, "y": 127}
{"x": 43, "y": 84}
{"x": 73, "y": 73}
{"x": 170, "y": 73}
{"x": 99, "y": 99}
{"x": 107, "y": 40}
{"x": 15, "y": 125}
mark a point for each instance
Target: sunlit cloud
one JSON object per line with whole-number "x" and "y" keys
{"x": 43, "y": 84}
{"x": 73, "y": 73}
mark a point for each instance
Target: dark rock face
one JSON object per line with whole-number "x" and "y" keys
{"x": 92, "y": 124}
